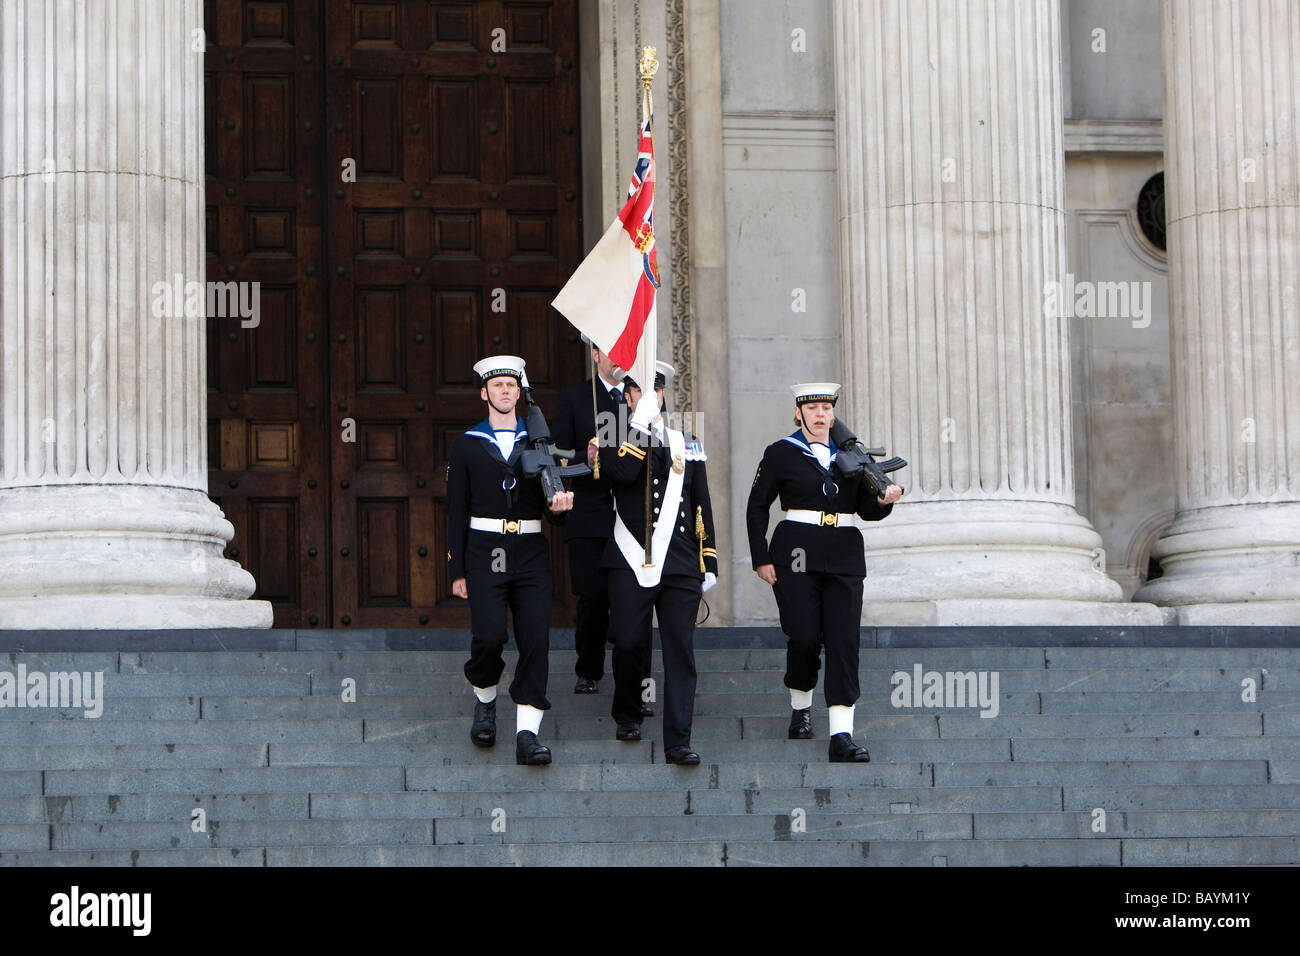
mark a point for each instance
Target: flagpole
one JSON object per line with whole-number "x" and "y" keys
{"x": 648, "y": 66}
{"x": 595, "y": 415}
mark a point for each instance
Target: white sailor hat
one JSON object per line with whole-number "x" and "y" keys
{"x": 816, "y": 392}
{"x": 664, "y": 374}
{"x": 495, "y": 365}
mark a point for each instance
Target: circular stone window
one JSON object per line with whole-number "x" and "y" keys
{"x": 1151, "y": 210}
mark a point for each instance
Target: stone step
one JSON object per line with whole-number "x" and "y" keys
{"x": 570, "y": 727}
{"x": 24, "y": 836}
{"x": 159, "y": 808}
{"x": 1146, "y": 680}
{"x": 413, "y": 673}
{"x": 128, "y": 858}
{"x": 1175, "y": 656}
{"x": 323, "y": 707}
{"x": 1181, "y": 703}
{"x": 559, "y": 725}
{"x": 1143, "y": 748}
{"x": 740, "y": 853}
{"x": 428, "y": 804}
{"x": 331, "y": 707}
{"x": 1145, "y": 668}
{"x": 561, "y": 662}
{"x": 74, "y": 783}
{"x": 461, "y": 751}
{"x": 969, "y": 750}
{"x": 105, "y": 733}
{"x": 1268, "y": 796}
{"x": 116, "y": 708}
{"x": 1281, "y": 724}
{"x": 697, "y": 828}
{"x": 758, "y": 776}
{"x": 1077, "y": 773}
{"x": 115, "y": 835}
{"x": 1159, "y": 824}
{"x": 105, "y": 661}
{"x": 1284, "y": 771}
{"x": 19, "y": 783}
{"x": 172, "y": 807}
{"x": 770, "y": 853}
{"x": 1246, "y": 851}
{"x": 1214, "y": 851}
{"x": 831, "y": 824}
{"x": 211, "y": 685}
{"x": 676, "y": 802}
{"x": 927, "y": 853}
{"x": 288, "y": 773}
{"x": 1282, "y": 662}
{"x": 162, "y": 756}
{"x": 1056, "y": 726}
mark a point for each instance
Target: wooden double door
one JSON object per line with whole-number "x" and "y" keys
{"x": 401, "y": 178}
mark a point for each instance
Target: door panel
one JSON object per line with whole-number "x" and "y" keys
{"x": 408, "y": 199}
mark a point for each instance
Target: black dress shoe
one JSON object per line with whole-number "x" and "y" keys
{"x": 484, "y": 730}
{"x": 647, "y": 710}
{"x": 629, "y": 731}
{"x": 801, "y": 724}
{"x": 585, "y": 686}
{"x": 682, "y": 754}
{"x": 529, "y": 751}
{"x": 844, "y": 750}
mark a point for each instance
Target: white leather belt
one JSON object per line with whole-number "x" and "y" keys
{"x": 830, "y": 519}
{"x": 507, "y": 525}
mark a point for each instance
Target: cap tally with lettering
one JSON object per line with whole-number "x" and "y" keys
{"x": 816, "y": 392}
{"x": 495, "y": 365}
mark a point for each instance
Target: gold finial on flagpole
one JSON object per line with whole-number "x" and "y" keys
{"x": 648, "y": 65}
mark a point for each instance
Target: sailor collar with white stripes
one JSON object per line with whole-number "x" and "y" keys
{"x": 485, "y": 431}
{"x": 796, "y": 438}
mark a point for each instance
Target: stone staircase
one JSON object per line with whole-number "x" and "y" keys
{"x": 1098, "y": 755}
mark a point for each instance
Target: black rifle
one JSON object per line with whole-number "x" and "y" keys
{"x": 854, "y": 458}
{"x": 541, "y": 456}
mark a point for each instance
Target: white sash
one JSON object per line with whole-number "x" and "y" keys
{"x": 634, "y": 550}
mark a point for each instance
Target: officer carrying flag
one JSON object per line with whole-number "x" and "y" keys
{"x": 681, "y": 566}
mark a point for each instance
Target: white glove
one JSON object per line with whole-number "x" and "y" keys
{"x": 647, "y": 410}
{"x": 710, "y": 579}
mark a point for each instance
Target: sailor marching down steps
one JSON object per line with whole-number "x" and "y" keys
{"x": 499, "y": 559}
{"x": 815, "y": 561}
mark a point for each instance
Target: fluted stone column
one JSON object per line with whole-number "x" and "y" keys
{"x": 1232, "y": 187}
{"x": 951, "y": 169}
{"x": 104, "y": 517}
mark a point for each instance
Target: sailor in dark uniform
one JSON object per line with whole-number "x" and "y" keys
{"x": 588, "y": 415}
{"x": 684, "y": 565}
{"x": 499, "y": 558}
{"x": 815, "y": 562}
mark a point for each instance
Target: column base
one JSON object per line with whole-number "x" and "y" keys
{"x": 1010, "y": 613}
{"x": 120, "y": 556}
{"x": 129, "y": 612}
{"x": 935, "y": 552}
{"x": 1247, "y": 614}
{"x": 1230, "y": 557}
